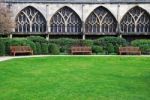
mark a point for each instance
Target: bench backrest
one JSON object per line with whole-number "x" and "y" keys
{"x": 20, "y": 48}
{"x": 130, "y": 48}
{"x": 79, "y": 48}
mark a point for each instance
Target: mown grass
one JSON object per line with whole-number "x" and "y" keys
{"x": 75, "y": 78}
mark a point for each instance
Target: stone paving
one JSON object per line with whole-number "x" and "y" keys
{"x": 4, "y": 58}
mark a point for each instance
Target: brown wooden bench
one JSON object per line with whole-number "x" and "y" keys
{"x": 81, "y": 50}
{"x": 20, "y": 50}
{"x": 129, "y": 50}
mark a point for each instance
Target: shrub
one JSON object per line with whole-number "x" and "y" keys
{"x": 143, "y": 44}
{"x": 38, "y": 48}
{"x": 66, "y": 43}
{"x": 33, "y": 46}
{"x": 110, "y": 44}
{"x": 2, "y": 47}
{"x": 53, "y": 49}
{"x": 85, "y": 43}
{"x": 18, "y": 42}
{"x": 110, "y": 48}
{"x": 97, "y": 49}
{"x": 37, "y": 39}
{"x": 44, "y": 48}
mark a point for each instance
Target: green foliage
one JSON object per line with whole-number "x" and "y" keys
{"x": 44, "y": 48}
{"x": 18, "y": 42}
{"x": 85, "y": 43}
{"x": 66, "y": 43}
{"x": 53, "y": 49}
{"x": 97, "y": 49}
{"x": 38, "y": 48}
{"x": 41, "y": 44}
{"x": 110, "y": 48}
{"x": 37, "y": 39}
{"x": 110, "y": 44}
{"x": 33, "y": 46}
{"x": 144, "y": 45}
{"x": 2, "y": 47}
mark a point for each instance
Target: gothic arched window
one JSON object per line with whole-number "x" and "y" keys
{"x": 65, "y": 20}
{"x": 30, "y": 20}
{"x": 136, "y": 20}
{"x": 101, "y": 21}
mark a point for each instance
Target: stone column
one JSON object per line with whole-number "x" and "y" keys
{"x": 10, "y": 36}
{"x": 83, "y": 29}
{"x": 47, "y": 26}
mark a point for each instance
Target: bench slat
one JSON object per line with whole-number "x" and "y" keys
{"x": 20, "y": 49}
{"x": 81, "y": 49}
{"x": 129, "y": 50}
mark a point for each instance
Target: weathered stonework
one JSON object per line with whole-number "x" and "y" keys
{"x": 83, "y": 10}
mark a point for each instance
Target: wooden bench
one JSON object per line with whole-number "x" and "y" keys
{"x": 81, "y": 50}
{"x": 129, "y": 50}
{"x": 20, "y": 50}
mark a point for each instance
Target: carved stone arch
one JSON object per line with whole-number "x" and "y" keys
{"x": 136, "y": 20}
{"x": 30, "y": 19}
{"x": 65, "y": 20}
{"x": 101, "y": 20}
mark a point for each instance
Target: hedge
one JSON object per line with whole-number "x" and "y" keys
{"x": 53, "y": 49}
{"x": 110, "y": 44}
{"x": 44, "y": 48}
{"x": 66, "y": 43}
{"x": 37, "y": 39}
{"x": 38, "y": 48}
{"x": 18, "y": 42}
{"x": 2, "y": 47}
{"x": 97, "y": 49}
{"x": 144, "y": 45}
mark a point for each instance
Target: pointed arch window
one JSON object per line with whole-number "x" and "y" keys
{"x": 136, "y": 20}
{"x": 100, "y": 21}
{"x": 30, "y": 20}
{"x": 65, "y": 20}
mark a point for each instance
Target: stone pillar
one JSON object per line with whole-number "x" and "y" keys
{"x": 47, "y": 26}
{"x": 47, "y": 37}
{"x": 120, "y": 35}
{"x": 10, "y": 36}
{"x": 83, "y": 29}
{"x": 83, "y": 37}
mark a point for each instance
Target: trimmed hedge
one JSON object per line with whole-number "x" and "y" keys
{"x": 66, "y": 43}
{"x": 143, "y": 44}
{"x": 53, "y": 49}
{"x": 63, "y": 43}
{"x": 38, "y": 48}
{"x": 110, "y": 44}
{"x": 18, "y": 42}
{"x": 97, "y": 49}
{"x": 44, "y": 48}
{"x": 37, "y": 39}
{"x": 104, "y": 45}
{"x": 2, "y": 47}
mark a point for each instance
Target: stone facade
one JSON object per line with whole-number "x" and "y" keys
{"x": 83, "y": 10}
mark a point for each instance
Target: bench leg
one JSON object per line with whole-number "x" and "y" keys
{"x": 14, "y": 54}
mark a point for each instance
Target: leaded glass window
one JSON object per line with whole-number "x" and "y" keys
{"x": 65, "y": 20}
{"x": 100, "y": 21}
{"x": 136, "y": 20}
{"x": 30, "y": 20}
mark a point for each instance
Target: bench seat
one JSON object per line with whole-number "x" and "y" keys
{"x": 129, "y": 50}
{"x": 81, "y": 50}
{"x": 20, "y": 49}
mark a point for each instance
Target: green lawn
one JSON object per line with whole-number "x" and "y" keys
{"x": 75, "y": 78}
